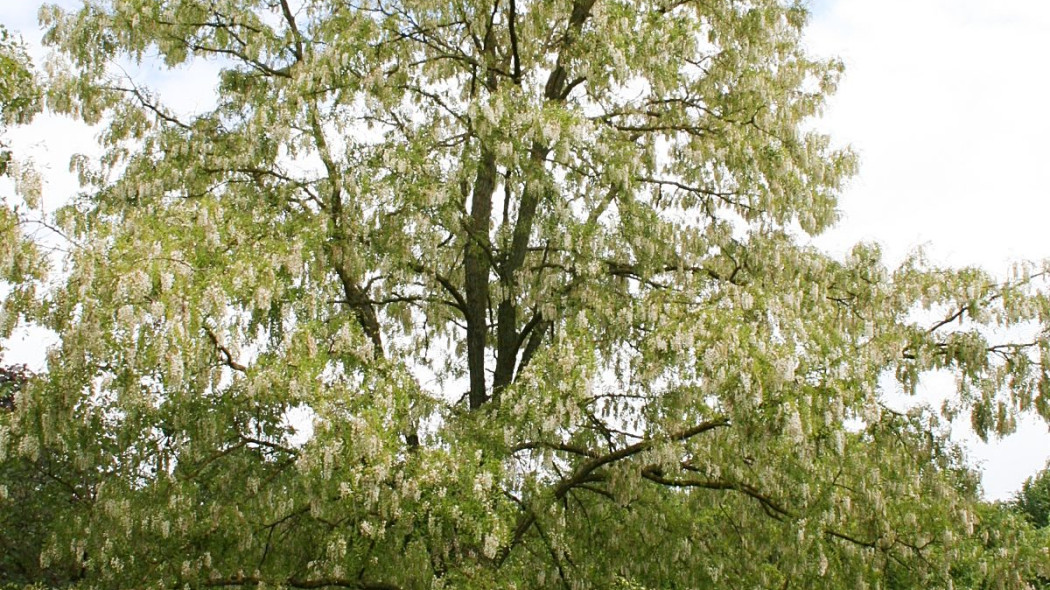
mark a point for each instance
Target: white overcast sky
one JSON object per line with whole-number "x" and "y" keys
{"x": 944, "y": 100}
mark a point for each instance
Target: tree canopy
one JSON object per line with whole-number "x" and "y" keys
{"x": 494, "y": 294}
{"x": 21, "y": 266}
{"x": 1033, "y": 500}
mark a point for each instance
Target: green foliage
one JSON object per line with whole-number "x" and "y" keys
{"x": 34, "y": 493}
{"x": 1005, "y": 551}
{"x": 540, "y": 291}
{"x": 1034, "y": 499}
{"x": 19, "y": 94}
{"x": 22, "y": 268}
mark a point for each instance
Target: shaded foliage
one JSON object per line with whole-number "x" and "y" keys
{"x": 34, "y": 493}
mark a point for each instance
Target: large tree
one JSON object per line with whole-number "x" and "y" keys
{"x": 534, "y": 274}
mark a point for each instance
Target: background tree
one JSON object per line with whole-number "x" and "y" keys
{"x": 1031, "y": 504}
{"x": 1033, "y": 500}
{"x": 537, "y": 274}
{"x": 1019, "y": 549}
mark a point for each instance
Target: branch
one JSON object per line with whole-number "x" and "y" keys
{"x": 653, "y": 474}
{"x": 145, "y": 103}
{"x": 288, "y": 16}
{"x": 461, "y": 303}
{"x": 958, "y": 315}
{"x": 225, "y": 352}
{"x": 725, "y": 196}
{"x": 622, "y": 269}
{"x": 215, "y": 457}
{"x": 585, "y": 474}
{"x": 588, "y": 467}
{"x": 508, "y": 341}
{"x": 269, "y": 445}
{"x": 258, "y": 65}
{"x": 533, "y": 445}
{"x": 845, "y": 537}
{"x": 476, "y": 274}
{"x": 516, "y": 71}
{"x": 533, "y": 345}
{"x": 555, "y": 88}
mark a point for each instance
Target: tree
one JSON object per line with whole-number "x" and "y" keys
{"x": 1033, "y": 503}
{"x": 1034, "y": 499}
{"x": 541, "y": 290}
{"x": 1020, "y": 548}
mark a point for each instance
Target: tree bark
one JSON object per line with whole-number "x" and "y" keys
{"x": 476, "y": 270}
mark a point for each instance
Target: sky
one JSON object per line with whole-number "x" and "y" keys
{"x": 944, "y": 100}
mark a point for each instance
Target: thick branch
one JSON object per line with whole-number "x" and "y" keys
{"x": 515, "y": 58}
{"x": 535, "y": 336}
{"x": 290, "y": 18}
{"x": 653, "y": 474}
{"x": 555, "y": 89}
{"x": 359, "y": 301}
{"x": 476, "y": 270}
{"x": 529, "y": 446}
{"x": 585, "y": 473}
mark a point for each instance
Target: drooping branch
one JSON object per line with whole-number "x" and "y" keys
{"x": 774, "y": 509}
{"x": 227, "y": 356}
{"x": 586, "y": 473}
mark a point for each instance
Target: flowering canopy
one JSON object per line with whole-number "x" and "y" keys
{"x": 535, "y": 274}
